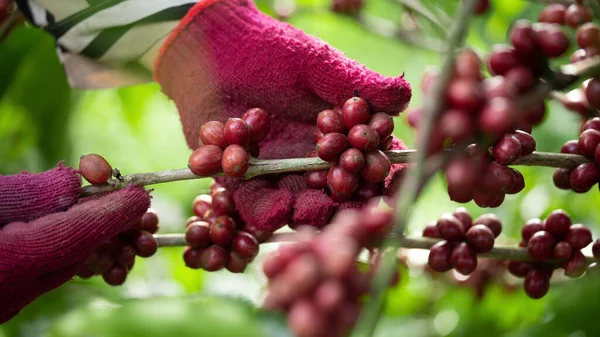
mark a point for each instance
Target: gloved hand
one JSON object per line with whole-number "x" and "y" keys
{"x": 226, "y": 57}
{"x": 47, "y": 233}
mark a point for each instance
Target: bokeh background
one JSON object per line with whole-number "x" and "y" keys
{"x": 43, "y": 121}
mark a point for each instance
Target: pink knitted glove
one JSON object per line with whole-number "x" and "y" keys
{"x": 46, "y": 235}
{"x": 226, "y": 57}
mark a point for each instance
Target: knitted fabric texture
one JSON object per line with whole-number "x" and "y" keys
{"x": 40, "y": 255}
{"x": 226, "y": 57}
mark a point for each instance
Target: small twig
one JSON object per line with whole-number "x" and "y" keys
{"x": 441, "y": 23}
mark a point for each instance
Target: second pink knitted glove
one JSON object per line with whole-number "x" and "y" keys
{"x": 226, "y": 57}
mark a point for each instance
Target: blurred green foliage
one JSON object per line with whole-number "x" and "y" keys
{"x": 137, "y": 129}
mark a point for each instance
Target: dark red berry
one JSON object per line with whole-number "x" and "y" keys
{"x": 465, "y": 93}
{"x": 330, "y": 121}
{"x": 519, "y": 268}
{"x": 95, "y": 169}
{"x": 439, "y": 257}
{"x": 222, "y": 230}
{"x": 588, "y": 35}
{"x": 316, "y": 179}
{"x": 99, "y": 263}
{"x": 576, "y": 15}
{"x": 576, "y": 265}
{"x": 502, "y": 59}
{"x": 431, "y": 231}
{"x": 557, "y": 223}
{"x": 592, "y": 93}
{"x": 497, "y": 116}
{"x": 523, "y": 38}
{"x": 584, "y": 177}
{"x": 450, "y": 228}
{"x": 459, "y": 194}
{"x": 197, "y": 234}
{"x": 237, "y": 132}
{"x": 464, "y": 217}
{"x": 85, "y": 272}
{"x": 588, "y": 141}
{"x": 222, "y": 204}
{"x": 481, "y": 7}
{"x": 355, "y": 111}
{"x": 596, "y": 248}
{"x": 205, "y": 161}
{"x": 571, "y": 146}
{"x": 126, "y": 255}
{"x": 116, "y": 275}
{"x": 562, "y": 178}
{"x": 377, "y": 166}
{"x": 191, "y": 257}
{"x": 462, "y": 173}
{"x": 341, "y": 183}
{"x": 318, "y": 135}
{"x": 236, "y": 263}
{"x": 386, "y": 144}
{"x": 214, "y": 258}
{"x": 235, "y": 161}
{"x": 331, "y": 146}
{"x": 578, "y": 236}
{"x": 456, "y": 125}
{"x": 367, "y": 190}
{"x": 245, "y": 245}
{"x": 488, "y": 199}
{"x": 363, "y": 137}
{"x": 258, "y": 122}
{"x": 507, "y": 149}
{"x": 212, "y": 133}
{"x": 563, "y": 250}
{"x": 531, "y": 227}
{"x": 383, "y": 124}
{"x": 593, "y": 123}
{"x": 464, "y": 259}
{"x": 553, "y": 13}
{"x": 541, "y": 246}
{"x": 145, "y": 244}
{"x": 519, "y": 184}
{"x": 537, "y": 283}
{"x": 496, "y": 178}
{"x": 480, "y": 238}
{"x": 521, "y": 78}
{"x": 468, "y": 65}
{"x": 201, "y": 205}
{"x": 497, "y": 86}
{"x": 491, "y": 221}
{"x": 552, "y": 40}
{"x": 527, "y": 142}
{"x": 535, "y": 113}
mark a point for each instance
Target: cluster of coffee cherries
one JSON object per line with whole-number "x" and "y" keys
{"x": 214, "y": 239}
{"x": 554, "y": 239}
{"x": 583, "y": 177}
{"x": 114, "y": 258}
{"x": 317, "y": 281}
{"x": 463, "y": 239}
{"x": 228, "y": 147}
{"x": 353, "y": 138}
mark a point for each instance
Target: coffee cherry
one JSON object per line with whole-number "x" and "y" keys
{"x": 535, "y": 113}
{"x": 331, "y": 146}
{"x": 316, "y": 179}
{"x": 502, "y": 59}
{"x": 377, "y": 166}
{"x": 537, "y": 283}
{"x": 115, "y": 276}
{"x": 367, "y": 190}
{"x": 531, "y": 227}
{"x": 222, "y": 204}
{"x": 464, "y": 217}
{"x": 245, "y": 245}
{"x": 200, "y": 206}
{"x": 450, "y": 228}
{"x": 557, "y": 223}
{"x": 584, "y": 177}
{"x": 491, "y": 221}
{"x": 519, "y": 183}
{"x": 191, "y": 257}
{"x": 576, "y": 265}
{"x": 363, "y": 137}
{"x": 592, "y": 93}
{"x": 527, "y": 142}
{"x": 522, "y": 78}
{"x": 553, "y": 13}
{"x": 480, "y": 238}
{"x": 481, "y": 7}
{"x": 126, "y": 255}
{"x": 552, "y": 40}
{"x": 456, "y": 125}
{"x": 519, "y": 268}
{"x": 488, "y": 199}
{"x": 593, "y": 123}
{"x": 497, "y": 86}
{"x": 563, "y": 250}
{"x": 222, "y": 230}
{"x": 95, "y": 169}
{"x": 213, "y": 133}
{"x": 205, "y": 161}
{"x": 352, "y": 160}
{"x": 259, "y": 123}
{"x": 99, "y": 263}
{"x": 468, "y": 65}
{"x": 236, "y": 131}
{"x": 523, "y": 38}
{"x": 588, "y": 141}
{"x": 235, "y": 161}
{"x": 439, "y": 256}
{"x": 341, "y": 183}
{"x": 386, "y": 144}
{"x": 578, "y": 236}
{"x": 497, "y": 116}
{"x": 145, "y": 244}
{"x": 197, "y": 234}
{"x": 330, "y": 121}
{"x": 150, "y": 222}
{"x": 596, "y": 248}
{"x": 496, "y": 178}
{"x": 85, "y": 273}
{"x": 355, "y": 111}
{"x": 214, "y": 258}
{"x": 507, "y": 150}
{"x": 576, "y": 15}
{"x": 383, "y": 124}
{"x": 462, "y": 173}
{"x": 236, "y": 264}
{"x": 541, "y": 246}
{"x": 464, "y": 259}
{"x": 431, "y": 231}
{"x": 562, "y": 178}
{"x": 588, "y": 35}
{"x": 318, "y": 135}
{"x": 465, "y": 93}
{"x": 571, "y": 146}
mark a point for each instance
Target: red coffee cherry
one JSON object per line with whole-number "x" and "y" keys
{"x": 596, "y": 248}
{"x": 355, "y": 111}
{"x": 468, "y": 65}
{"x": 552, "y": 40}
{"x": 145, "y": 244}
{"x": 592, "y": 123}
{"x": 450, "y": 228}
{"x": 456, "y": 125}
{"x": 237, "y": 132}
{"x": 465, "y": 93}
{"x": 222, "y": 230}
{"x": 557, "y": 223}
{"x": 571, "y": 146}
{"x": 497, "y": 116}
{"x": 491, "y": 221}
{"x": 95, "y": 169}
{"x": 481, "y": 7}
{"x": 259, "y": 123}
{"x": 584, "y": 177}
{"x": 480, "y": 238}
{"x": 341, "y": 183}
{"x": 553, "y": 13}
{"x": 588, "y": 35}
{"x": 316, "y": 179}
{"x": 201, "y": 205}
{"x": 507, "y": 150}
{"x": 496, "y": 178}
{"x": 576, "y": 15}
{"x": 588, "y": 141}
{"x": 578, "y": 236}
{"x": 377, "y": 166}
{"x": 363, "y": 137}
{"x": 352, "y": 160}
{"x": 245, "y": 245}
{"x": 205, "y": 161}
{"x": 519, "y": 184}
{"x": 191, "y": 257}
{"x": 464, "y": 259}
{"x": 523, "y": 38}
{"x": 330, "y": 121}
{"x": 502, "y": 59}
{"x": 541, "y": 246}
{"x": 236, "y": 263}
{"x": 527, "y": 142}
{"x": 367, "y": 190}
{"x": 537, "y": 283}
{"x": 222, "y": 204}
{"x": 235, "y": 161}
{"x": 212, "y": 133}
{"x": 531, "y": 227}
{"x": 331, "y": 146}
{"x": 535, "y": 114}
{"x": 519, "y": 268}
{"x": 488, "y": 199}
{"x": 126, "y": 255}
{"x": 214, "y": 258}
{"x": 562, "y": 178}
{"x": 592, "y": 93}
{"x": 563, "y": 250}
{"x": 431, "y": 231}
{"x": 464, "y": 217}
{"x": 383, "y": 124}
{"x": 576, "y": 265}
{"x": 197, "y": 234}
{"x": 439, "y": 257}
{"x": 522, "y": 78}
{"x": 115, "y": 276}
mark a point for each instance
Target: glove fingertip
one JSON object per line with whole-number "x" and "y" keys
{"x": 313, "y": 208}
